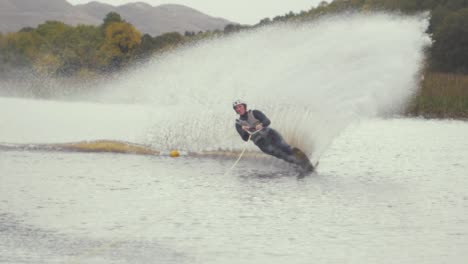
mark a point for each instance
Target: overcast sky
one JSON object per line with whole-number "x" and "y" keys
{"x": 242, "y": 11}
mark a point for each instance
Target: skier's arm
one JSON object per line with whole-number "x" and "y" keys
{"x": 262, "y": 118}
{"x": 244, "y": 135}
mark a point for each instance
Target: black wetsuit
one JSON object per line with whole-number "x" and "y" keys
{"x": 268, "y": 140}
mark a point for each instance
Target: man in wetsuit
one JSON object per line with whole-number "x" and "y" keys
{"x": 254, "y": 124}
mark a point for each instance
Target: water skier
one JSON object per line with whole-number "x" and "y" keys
{"x": 254, "y": 124}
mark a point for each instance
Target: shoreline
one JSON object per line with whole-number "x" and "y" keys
{"x": 439, "y": 96}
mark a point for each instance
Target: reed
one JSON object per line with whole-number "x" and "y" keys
{"x": 441, "y": 95}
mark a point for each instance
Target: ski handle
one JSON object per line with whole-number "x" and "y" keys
{"x": 254, "y": 132}
{"x": 248, "y": 131}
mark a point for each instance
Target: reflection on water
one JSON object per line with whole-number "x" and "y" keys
{"x": 385, "y": 192}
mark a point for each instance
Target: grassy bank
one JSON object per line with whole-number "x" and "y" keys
{"x": 442, "y": 95}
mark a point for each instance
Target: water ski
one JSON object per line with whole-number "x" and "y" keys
{"x": 279, "y": 148}
{"x": 301, "y": 159}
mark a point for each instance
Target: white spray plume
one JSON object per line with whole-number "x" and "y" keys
{"x": 310, "y": 79}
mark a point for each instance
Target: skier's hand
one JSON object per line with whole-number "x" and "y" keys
{"x": 259, "y": 126}
{"x": 246, "y": 128}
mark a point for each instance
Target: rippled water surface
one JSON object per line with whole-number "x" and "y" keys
{"x": 386, "y": 191}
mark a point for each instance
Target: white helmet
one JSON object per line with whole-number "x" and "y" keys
{"x": 238, "y": 102}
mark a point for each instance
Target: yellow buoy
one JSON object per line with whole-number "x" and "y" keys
{"x": 174, "y": 153}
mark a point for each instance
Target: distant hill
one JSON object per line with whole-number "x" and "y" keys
{"x": 154, "y": 20}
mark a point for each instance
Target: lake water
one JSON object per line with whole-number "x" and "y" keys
{"x": 386, "y": 191}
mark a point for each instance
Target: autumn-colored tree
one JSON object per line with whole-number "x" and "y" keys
{"x": 120, "y": 40}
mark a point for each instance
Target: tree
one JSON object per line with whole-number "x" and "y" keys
{"x": 437, "y": 17}
{"x": 323, "y": 4}
{"x": 454, "y": 4}
{"x": 112, "y": 17}
{"x": 81, "y": 49}
{"x": 21, "y": 48}
{"x": 120, "y": 40}
{"x": 147, "y": 44}
{"x": 88, "y": 41}
{"x": 168, "y": 39}
{"x": 27, "y": 29}
{"x": 230, "y": 28}
{"x": 265, "y": 21}
{"x": 450, "y": 47}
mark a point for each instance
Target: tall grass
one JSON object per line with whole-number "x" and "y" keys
{"x": 441, "y": 95}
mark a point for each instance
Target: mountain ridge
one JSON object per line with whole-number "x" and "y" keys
{"x": 153, "y": 20}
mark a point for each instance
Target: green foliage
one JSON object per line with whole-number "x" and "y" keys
{"x": 230, "y": 28}
{"x": 112, "y": 17}
{"x": 20, "y": 49}
{"x": 165, "y": 41}
{"x": 81, "y": 50}
{"x": 450, "y": 47}
{"x": 146, "y": 45}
